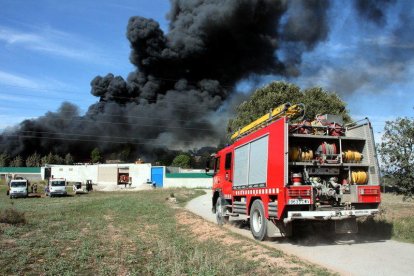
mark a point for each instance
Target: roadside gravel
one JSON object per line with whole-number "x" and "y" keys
{"x": 346, "y": 255}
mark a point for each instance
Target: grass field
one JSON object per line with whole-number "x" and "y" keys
{"x": 399, "y": 215}
{"x": 130, "y": 233}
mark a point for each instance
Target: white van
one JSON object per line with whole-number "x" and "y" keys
{"x": 18, "y": 188}
{"x": 56, "y": 186}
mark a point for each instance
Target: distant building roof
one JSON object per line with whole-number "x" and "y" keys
{"x": 19, "y": 169}
{"x": 188, "y": 175}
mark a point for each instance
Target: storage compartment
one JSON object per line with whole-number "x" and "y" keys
{"x": 250, "y": 164}
{"x": 333, "y": 165}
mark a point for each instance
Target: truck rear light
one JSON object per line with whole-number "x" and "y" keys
{"x": 368, "y": 191}
{"x": 298, "y": 193}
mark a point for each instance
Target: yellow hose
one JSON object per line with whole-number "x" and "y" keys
{"x": 295, "y": 153}
{"x": 359, "y": 177}
{"x": 351, "y": 156}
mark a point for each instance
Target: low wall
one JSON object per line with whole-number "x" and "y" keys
{"x": 30, "y": 173}
{"x": 188, "y": 180}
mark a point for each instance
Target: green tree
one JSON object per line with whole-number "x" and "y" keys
{"x": 68, "y": 159}
{"x": 95, "y": 155}
{"x": 397, "y": 154}
{"x": 182, "y": 160}
{"x": 33, "y": 160}
{"x": 48, "y": 159}
{"x": 4, "y": 159}
{"x": 16, "y": 162}
{"x": 58, "y": 159}
{"x": 316, "y": 101}
{"x": 125, "y": 154}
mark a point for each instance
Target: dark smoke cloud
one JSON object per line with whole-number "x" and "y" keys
{"x": 380, "y": 58}
{"x": 374, "y": 10}
{"x": 183, "y": 88}
{"x": 306, "y": 25}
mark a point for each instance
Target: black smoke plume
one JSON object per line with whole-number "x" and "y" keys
{"x": 182, "y": 79}
{"x": 379, "y": 59}
{"x": 374, "y": 10}
{"x": 185, "y": 79}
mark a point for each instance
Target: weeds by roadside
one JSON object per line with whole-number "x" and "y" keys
{"x": 12, "y": 216}
{"x": 396, "y": 220}
{"x": 125, "y": 233}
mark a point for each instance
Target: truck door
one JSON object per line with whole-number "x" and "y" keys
{"x": 228, "y": 166}
{"x": 217, "y": 179}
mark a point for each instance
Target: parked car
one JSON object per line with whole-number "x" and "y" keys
{"x": 56, "y": 187}
{"x": 18, "y": 188}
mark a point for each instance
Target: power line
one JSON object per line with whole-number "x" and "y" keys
{"x": 89, "y": 135}
{"x": 71, "y": 91}
{"x": 150, "y": 101}
{"x": 86, "y": 140}
{"x": 373, "y": 123}
{"x": 113, "y": 115}
{"x": 134, "y": 124}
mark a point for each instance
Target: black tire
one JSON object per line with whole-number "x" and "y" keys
{"x": 258, "y": 221}
{"x": 221, "y": 211}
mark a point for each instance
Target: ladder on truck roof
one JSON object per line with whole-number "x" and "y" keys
{"x": 285, "y": 110}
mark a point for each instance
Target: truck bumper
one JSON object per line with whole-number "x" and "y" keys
{"x": 329, "y": 215}
{"x": 58, "y": 193}
{"x": 16, "y": 195}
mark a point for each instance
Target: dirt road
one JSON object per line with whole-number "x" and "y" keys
{"x": 358, "y": 256}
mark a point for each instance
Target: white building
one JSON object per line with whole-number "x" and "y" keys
{"x": 105, "y": 177}
{"x": 110, "y": 177}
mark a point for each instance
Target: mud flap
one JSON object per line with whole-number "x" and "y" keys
{"x": 346, "y": 226}
{"x": 278, "y": 230}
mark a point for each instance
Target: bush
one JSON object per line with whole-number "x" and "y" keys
{"x": 12, "y": 216}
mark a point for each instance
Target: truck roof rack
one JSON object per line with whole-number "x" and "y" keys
{"x": 284, "y": 110}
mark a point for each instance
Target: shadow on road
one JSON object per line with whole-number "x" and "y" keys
{"x": 307, "y": 234}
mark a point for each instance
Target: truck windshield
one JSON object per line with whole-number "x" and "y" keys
{"x": 18, "y": 184}
{"x": 58, "y": 183}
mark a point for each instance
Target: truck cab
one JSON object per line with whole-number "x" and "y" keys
{"x": 18, "y": 188}
{"x": 56, "y": 187}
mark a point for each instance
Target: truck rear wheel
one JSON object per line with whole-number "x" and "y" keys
{"x": 258, "y": 221}
{"x": 221, "y": 212}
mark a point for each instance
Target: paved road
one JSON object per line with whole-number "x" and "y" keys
{"x": 361, "y": 256}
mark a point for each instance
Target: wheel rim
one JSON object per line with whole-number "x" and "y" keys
{"x": 257, "y": 221}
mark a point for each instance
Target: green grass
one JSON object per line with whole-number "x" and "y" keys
{"x": 120, "y": 233}
{"x": 400, "y": 214}
{"x": 395, "y": 221}
{"x": 404, "y": 229}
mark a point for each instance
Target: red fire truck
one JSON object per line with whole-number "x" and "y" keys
{"x": 278, "y": 173}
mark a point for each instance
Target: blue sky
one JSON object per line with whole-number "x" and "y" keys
{"x": 51, "y": 50}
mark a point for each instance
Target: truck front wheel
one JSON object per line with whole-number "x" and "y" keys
{"x": 221, "y": 212}
{"x": 258, "y": 221}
